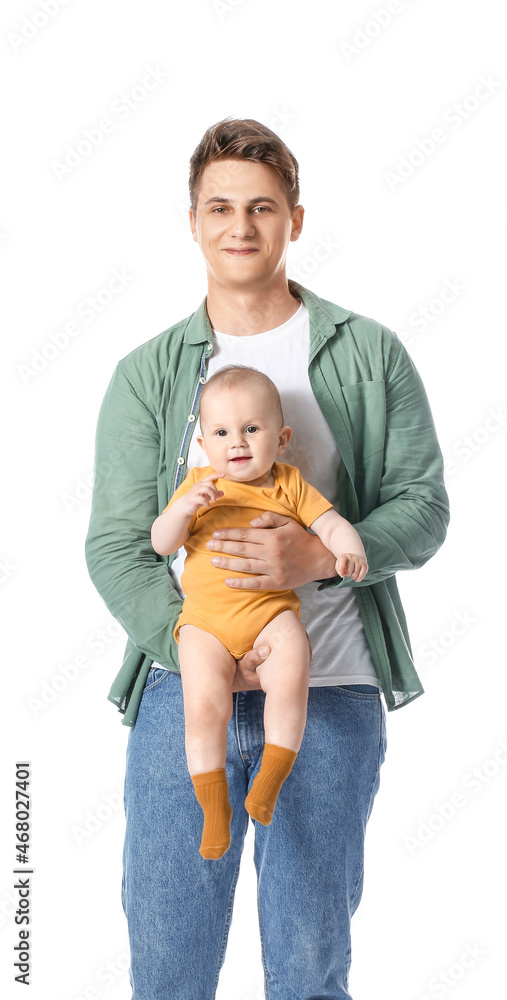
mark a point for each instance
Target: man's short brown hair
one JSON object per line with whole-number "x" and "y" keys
{"x": 244, "y": 139}
{"x": 235, "y": 376}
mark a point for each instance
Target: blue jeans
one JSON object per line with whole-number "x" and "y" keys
{"x": 309, "y": 860}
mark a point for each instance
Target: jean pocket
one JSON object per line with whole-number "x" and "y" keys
{"x": 156, "y": 674}
{"x": 370, "y": 691}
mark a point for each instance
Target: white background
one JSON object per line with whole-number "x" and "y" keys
{"x": 351, "y": 94}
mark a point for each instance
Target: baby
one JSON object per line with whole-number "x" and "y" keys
{"x": 242, "y": 432}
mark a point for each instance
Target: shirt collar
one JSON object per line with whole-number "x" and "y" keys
{"x": 324, "y": 316}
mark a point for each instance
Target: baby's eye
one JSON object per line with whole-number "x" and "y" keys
{"x": 251, "y": 429}
{"x": 221, "y": 432}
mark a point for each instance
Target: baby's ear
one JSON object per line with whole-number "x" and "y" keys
{"x": 284, "y": 438}
{"x": 200, "y": 442}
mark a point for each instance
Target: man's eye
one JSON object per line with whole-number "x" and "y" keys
{"x": 251, "y": 429}
{"x": 262, "y": 208}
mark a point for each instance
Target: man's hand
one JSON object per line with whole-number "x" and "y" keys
{"x": 246, "y": 677}
{"x": 277, "y": 552}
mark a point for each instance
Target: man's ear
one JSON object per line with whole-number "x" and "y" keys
{"x": 193, "y": 224}
{"x": 297, "y": 223}
{"x": 284, "y": 438}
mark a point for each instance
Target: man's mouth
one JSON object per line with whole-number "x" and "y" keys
{"x": 240, "y": 253}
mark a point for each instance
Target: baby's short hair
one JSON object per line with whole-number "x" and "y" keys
{"x": 235, "y": 376}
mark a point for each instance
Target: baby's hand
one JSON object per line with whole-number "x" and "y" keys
{"x": 351, "y": 565}
{"x": 201, "y": 494}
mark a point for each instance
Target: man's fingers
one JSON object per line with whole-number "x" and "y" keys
{"x": 247, "y": 582}
{"x": 259, "y": 576}
{"x": 254, "y": 657}
{"x": 230, "y": 548}
{"x": 232, "y": 535}
{"x": 246, "y": 677}
{"x": 238, "y": 565}
{"x": 268, "y": 519}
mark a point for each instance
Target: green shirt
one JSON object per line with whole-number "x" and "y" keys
{"x": 391, "y": 484}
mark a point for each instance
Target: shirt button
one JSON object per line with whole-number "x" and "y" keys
{"x": 181, "y": 461}
{"x": 202, "y": 380}
{"x": 210, "y": 347}
{"x": 191, "y": 418}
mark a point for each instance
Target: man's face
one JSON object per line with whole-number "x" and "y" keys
{"x": 243, "y": 223}
{"x": 242, "y": 433}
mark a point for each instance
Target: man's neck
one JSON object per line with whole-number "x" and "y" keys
{"x": 245, "y": 312}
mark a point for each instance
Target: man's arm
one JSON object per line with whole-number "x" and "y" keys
{"x": 409, "y": 522}
{"x": 136, "y": 586}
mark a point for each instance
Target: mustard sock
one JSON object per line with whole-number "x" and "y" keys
{"x": 276, "y": 766}
{"x": 212, "y": 793}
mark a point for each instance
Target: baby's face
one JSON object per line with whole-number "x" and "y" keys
{"x": 241, "y": 433}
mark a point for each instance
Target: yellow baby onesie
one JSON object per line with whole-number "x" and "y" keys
{"x": 237, "y": 616}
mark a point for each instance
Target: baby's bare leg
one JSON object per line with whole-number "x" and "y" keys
{"x": 207, "y": 669}
{"x": 284, "y": 677}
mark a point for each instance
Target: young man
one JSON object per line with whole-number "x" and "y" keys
{"x": 365, "y": 439}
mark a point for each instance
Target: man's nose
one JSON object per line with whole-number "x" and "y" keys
{"x": 242, "y": 224}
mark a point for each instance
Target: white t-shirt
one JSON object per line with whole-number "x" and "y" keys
{"x": 340, "y": 652}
